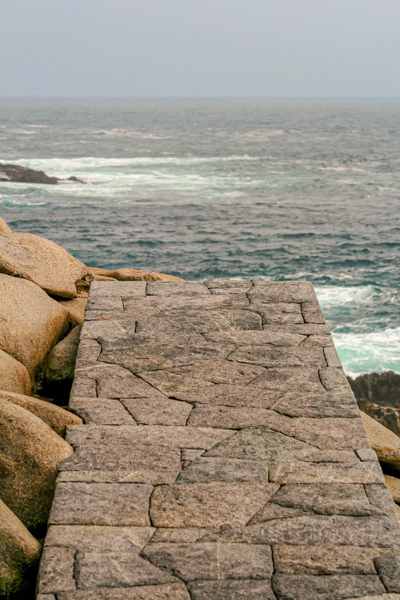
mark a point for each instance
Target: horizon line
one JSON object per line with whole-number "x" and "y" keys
{"x": 348, "y": 98}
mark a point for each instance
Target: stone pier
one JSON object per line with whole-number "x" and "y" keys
{"x": 222, "y": 457}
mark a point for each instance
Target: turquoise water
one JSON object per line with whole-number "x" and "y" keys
{"x": 202, "y": 189}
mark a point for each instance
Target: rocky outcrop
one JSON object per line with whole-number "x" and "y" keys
{"x": 76, "y": 308}
{"x": 14, "y": 377}
{"x": 41, "y": 261}
{"x": 378, "y": 395}
{"x": 31, "y": 322}
{"x": 132, "y": 275}
{"x": 54, "y": 416}
{"x": 18, "y": 174}
{"x": 30, "y": 453}
{"x": 19, "y": 554}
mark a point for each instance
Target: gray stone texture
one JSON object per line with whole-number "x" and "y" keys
{"x": 222, "y": 455}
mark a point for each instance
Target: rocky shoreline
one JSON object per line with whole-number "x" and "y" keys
{"x": 18, "y": 174}
{"x": 43, "y": 291}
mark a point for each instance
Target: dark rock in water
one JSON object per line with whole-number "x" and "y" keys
{"x": 378, "y": 395}
{"x": 18, "y": 174}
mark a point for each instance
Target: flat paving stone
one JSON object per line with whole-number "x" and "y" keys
{"x": 101, "y": 504}
{"x": 208, "y": 504}
{"x": 222, "y": 457}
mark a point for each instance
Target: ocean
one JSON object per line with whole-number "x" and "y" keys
{"x": 226, "y": 188}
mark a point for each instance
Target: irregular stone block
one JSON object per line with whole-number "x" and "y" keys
{"x": 332, "y": 357}
{"x": 379, "y": 496}
{"x": 166, "y": 591}
{"x": 325, "y": 587}
{"x": 230, "y": 286}
{"x": 180, "y": 536}
{"x": 182, "y": 379}
{"x": 143, "y": 309}
{"x": 322, "y": 404}
{"x": 312, "y": 312}
{"x": 283, "y": 291}
{"x": 129, "y": 476}
{"x": 57, "y": 571}
{"x": 319, "y": 560}
{"x": 96, "y": 570}
{"x": 172, "y": 288}
{"x": 101, "y": 412}
{"x": 152, "y": 435}
{"x": 192, "y": 562}
{"x": 207, "y": 470}
{"x": 237, "y": 418}
{"x": 110, "y": 331}
{"x": 231, "y": 590}
{"x": 285, "y": 379}
{"x": 111, "y": 303}
{"x": 326, "y": 499}
{"x": 302, "y": 472}
{"x": 334, "y": 379}
{"x": 207, "y": 505}
{"x": 332, "y": 456}
{"x": 230, "y": 395}
{"x": 366, "y": 454}
{"x": 265, "y": 356}
{"x": 323, "y": 341}
{"x": 261, "y": 444}
{"x": 88, "y": 353}
{"x": 101, "y": 504}
{"x": 133, "y": 289}
{"x": 331, "y": 433}
{"x": 277, "y": 313}
{"x": 96, "y": 539}
{"x": 388, "y": 567}
{"x": 378, "y": 531}
{"x": 112, "y": 454}
{"x": 309, "y": 329}
{"x": 200, "y": 321}
{"x": 256, "y": 338}
{"x": 273, "y": 511}
{"x": 158, "y": 411}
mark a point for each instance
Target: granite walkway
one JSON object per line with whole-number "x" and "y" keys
{"x": 223, "y": 456}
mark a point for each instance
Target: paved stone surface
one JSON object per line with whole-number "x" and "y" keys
{"x": 222, "y": 457}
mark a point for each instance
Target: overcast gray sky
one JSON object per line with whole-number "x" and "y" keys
{"x": 200, "y": 48}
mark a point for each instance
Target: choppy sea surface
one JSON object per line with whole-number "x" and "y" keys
{"x": 204, "y": 189}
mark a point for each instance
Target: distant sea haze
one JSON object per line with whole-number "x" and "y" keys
{"x": 205, "y": 189}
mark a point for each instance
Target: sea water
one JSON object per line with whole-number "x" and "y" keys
{"x": 270, "y": 190}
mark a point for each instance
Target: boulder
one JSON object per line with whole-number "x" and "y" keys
{"x": 4, "y": 228}
{"x": 133, "y": 275}
{"x": 30, "y": 453}
{"x": 56, "y": 417}
{"x": 14, "y": 377}
{"x": 385, "y": 443}
{"x": 19, "y": 554}
{"x": 76, "y": 308}
{"x": 61, "y": 360}
{"x": 31, "y": 322}
{"x": 41, "y": 261}
{"x": 393, "y": 485}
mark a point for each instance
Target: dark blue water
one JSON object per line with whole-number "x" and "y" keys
{"x": 261, "y": 189}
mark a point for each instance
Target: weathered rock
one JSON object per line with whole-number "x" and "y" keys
{"x": 393, "y": 485}
{"x": 188, "y": 288}
{"x": 101, "y": 504}
{"x": 256, "y": 338}
{"x": 265, "y": 356}
{"x": 208, "y": 469}
{"x": 283, "y": 291}
{"x": 207, "y": 504}
{"x": 14, "y": 377}
{"x": 54, "y": 416}
{"x": 312, "y": 312}
{"x": 98, "y": 411}
{"x": 261, "y": 444}
{"x": 76, "y": 308}
{"x": 334, "y": 379}
{"x": 133, "y": 275}
{"x": 158, "y": 411}
{"x": 19, "y": 554}
{"x": 29, "y": 456}
{"x": 165, "y": 591}
{"x": 285, "y": 379}
{"x": 388, "y": 567}
{"x": 42, "y": 262}
{"x": 319, "y": 560}
{"x": 385, "y": 443}
{"x": 302, "y": 472}
{"x": 277, "y": 313}
{"x": 16, "y": 173}
{"x": 200, "y": 321}
{"x": 237, "y": 418}
{"x": 323, "y": 404}
{"x": 230, "y": 395}
{"x": 59, "y": 368}
{"x": 325, "y": 587}
{"x": 192, "y": 562}
{"x": 231, "y": 590}
{"x": 4, "y": 228}
{"x": 31, "y": 323}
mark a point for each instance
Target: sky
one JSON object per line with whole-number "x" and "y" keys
{"x": 200, "y": 48}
